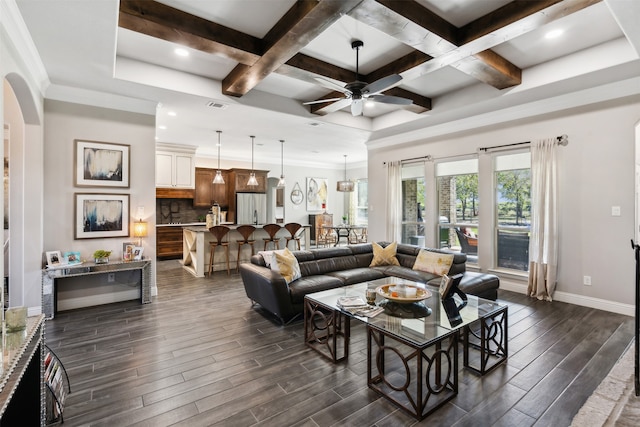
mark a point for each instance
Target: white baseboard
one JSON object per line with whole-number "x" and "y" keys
{"x": 581, "y": 300}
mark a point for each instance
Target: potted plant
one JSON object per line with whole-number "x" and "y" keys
{"x": 344, "y": 219}
{"x": 101, "y": 256}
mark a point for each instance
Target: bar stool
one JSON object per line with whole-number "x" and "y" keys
{"x": 245, "y": 231}
{"x": 219, "y": 232}
{"x": 293, "y": 228}
{"x": 271, "y": 230}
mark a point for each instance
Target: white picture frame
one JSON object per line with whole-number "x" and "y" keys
{"x": 101, "y": 164}
{"x": 54, "y": 258}
{"x": 137, "y": 253}
{"x": 101, "y": 215}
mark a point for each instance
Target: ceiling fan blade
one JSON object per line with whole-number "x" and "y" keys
{"x": 386, "y": 99}
{"x": 339, "y": 105}
{"x": 382, "y": 84}
{"x": 357, "y": 107}
{"x": 331, "y": 85}
{"x": 320, "y": 101}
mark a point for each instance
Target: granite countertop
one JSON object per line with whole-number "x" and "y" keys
{"x": 189, "y": 224}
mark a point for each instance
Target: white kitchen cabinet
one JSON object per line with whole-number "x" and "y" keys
{"x": 175, "y": 166}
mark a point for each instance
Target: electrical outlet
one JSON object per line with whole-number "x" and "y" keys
{"x": 587, "y": 280}
{"x": 111, "y": 277}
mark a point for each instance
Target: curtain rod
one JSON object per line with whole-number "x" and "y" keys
{"x": 562, "y": 140}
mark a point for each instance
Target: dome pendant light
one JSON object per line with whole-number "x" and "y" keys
{"x": 345, "y": 186}
{"x": 281, "y": 183}
{"x": 253, "y": 182}
{"x": 218, "y": 178}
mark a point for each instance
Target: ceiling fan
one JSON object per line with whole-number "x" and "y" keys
{"x": 357, "y": 91}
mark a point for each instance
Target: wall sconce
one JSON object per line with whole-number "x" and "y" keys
{"x": 140, "y": 230}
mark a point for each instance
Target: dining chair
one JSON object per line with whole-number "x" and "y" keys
{"x": 271, "y": 230}
{"x": 219, "y": 232}
{"x": 245, "y": 231}
{"x": 293, "y": 228}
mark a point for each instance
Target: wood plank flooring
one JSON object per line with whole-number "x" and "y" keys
{"x": 200, "y": 355}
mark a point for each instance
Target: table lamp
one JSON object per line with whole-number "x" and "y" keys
{"x": 140, "y": 230}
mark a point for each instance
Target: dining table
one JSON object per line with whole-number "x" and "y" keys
{"x": 345, "y": 231}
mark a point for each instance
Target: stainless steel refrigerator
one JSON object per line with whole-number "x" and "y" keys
{"x": 251, "y": 208}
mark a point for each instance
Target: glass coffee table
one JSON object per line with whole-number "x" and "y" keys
{"x": 412, "y": 348}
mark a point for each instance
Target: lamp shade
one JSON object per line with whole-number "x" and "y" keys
{"x": 346, "y": 185}
{"x": 253, "y": 182}
{"x": 218, "y": 178}
{"x": 140, "y": 229}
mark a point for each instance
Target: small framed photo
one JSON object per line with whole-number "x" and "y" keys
{"x": 137, "y": 253}
{"x": 54, "y": 258}
{"x": 72, "y": 257}
{"x": 101, "y": 164}
{"x": 127, "y": 251}
{"x": 445, "y": 286}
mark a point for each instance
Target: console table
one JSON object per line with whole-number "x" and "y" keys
{"x": 51, "y": 275}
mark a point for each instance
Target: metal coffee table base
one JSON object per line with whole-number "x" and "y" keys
{"x": 489, "y": 336}
{"x": 417, "y": 379}
{"x": 326, "y": 331}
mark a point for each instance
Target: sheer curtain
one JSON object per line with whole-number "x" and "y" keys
{"x": 543, "y": 246}
{"x": 394, "y": 196}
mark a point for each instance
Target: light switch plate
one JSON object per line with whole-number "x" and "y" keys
{"x": 615, "y": 210}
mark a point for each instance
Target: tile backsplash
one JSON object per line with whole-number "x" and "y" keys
{"x": 178, "y": 211}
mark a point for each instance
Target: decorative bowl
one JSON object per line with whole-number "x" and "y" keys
{"x": 392, "y": 292}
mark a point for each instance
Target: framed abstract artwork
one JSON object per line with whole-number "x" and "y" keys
{"x": 317, "y": 194}
{"x": 101, "y": 215}
{"x": 101, "y": 164}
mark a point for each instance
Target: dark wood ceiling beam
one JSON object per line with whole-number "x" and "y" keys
{"x": 512, "y": 20}
{"x": 306, "y": 20}
{"x": 307, "y": 68}
{"x": 413, "y": 24}
{"x": 158, "y": 20}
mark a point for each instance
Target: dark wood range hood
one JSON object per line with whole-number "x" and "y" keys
{"x": 175, "y": 193}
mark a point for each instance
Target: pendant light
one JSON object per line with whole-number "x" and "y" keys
{"x": 345, "y": 186}
{"x": 281, "y": 183}
{"x": 218, "y": 179}
{"x": 253, "y": 182}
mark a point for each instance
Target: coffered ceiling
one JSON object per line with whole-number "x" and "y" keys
{"x": 252, "y": 64}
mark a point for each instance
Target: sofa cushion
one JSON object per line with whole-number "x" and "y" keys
{"x": 286, "y": 264}
{"x": 307, "y": 285}
{"x": 357, "y": 275}
{"x": 433, "y": 262}
{"x": 384, "y": 256}
{"x": 407, "y": 273}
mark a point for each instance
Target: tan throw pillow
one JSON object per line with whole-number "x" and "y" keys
{"x": 384, "y": 256}
{"x": 433, "y": 262}
{"x": 285, "y": 263}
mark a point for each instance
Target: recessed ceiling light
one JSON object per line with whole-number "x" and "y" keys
{"x": 181, "y": 52}
{"x": 172, "y": 113}
{"x": 162, "y": 127}
{"x": 554, "y": 34}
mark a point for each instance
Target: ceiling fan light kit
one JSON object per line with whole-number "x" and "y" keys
{"x": 358, "y": 91}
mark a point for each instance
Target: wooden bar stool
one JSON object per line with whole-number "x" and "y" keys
{"x": 293, "y": 228}
{"x": 219, "y": 232}
{"x": 245, "y": 231}
{"x": 271, "y": 230}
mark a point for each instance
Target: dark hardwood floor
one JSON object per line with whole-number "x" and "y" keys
{"x": 200, "y": 355}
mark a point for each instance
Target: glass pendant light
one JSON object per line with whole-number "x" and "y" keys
{"x": 345, "y": 186}
{"x": 218, "y": 178}
{"x": 281, "y": 183}
{"x": 253, "y": 182}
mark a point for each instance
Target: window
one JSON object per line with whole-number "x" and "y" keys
{"x": 413, "y": 203}
{"x": 513, "y": 210}
{"x": 360, "y": 202}
{"x": 458, "y": 206}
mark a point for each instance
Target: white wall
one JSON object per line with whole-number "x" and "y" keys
{"x": 65, "y": 122}
{"x": 596, "y": 173}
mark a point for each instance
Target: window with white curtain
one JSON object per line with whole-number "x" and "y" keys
{"x": 512, "y": 175}
{"x": 413, "y": 203}
{"x": 360, "y": 202}
{"x": 458, "y": 206}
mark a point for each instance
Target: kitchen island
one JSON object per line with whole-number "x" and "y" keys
{"x": 195, "y": 247}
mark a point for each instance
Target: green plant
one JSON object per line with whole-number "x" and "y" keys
{"x": 344, "y": 217}
{"x": 101, "y": 253}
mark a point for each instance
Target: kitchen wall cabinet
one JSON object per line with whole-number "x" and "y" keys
{"x": 175, "y": 166}
{"x": 206, "y": 192}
